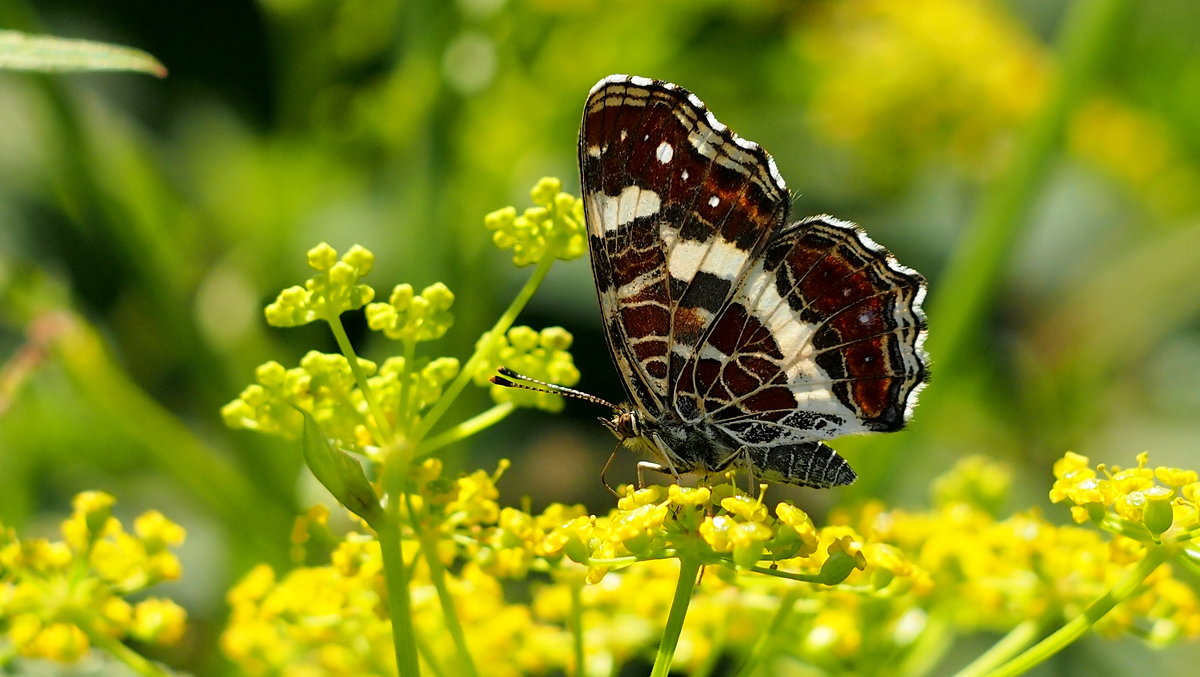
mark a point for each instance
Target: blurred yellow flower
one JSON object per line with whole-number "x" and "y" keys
{"x": 59, "y": 598}
{"x": 902, "y": 83}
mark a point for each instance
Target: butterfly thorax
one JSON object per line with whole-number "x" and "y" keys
{"x": 675, "y": 444}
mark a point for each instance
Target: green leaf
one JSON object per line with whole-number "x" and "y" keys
{"x": 22, "y": 52}
{"x": 341, "y": 474}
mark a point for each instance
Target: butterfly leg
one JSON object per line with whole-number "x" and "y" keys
{"x": 604, "y": 471}
{"x": 741, "y": 456}
{"x": 651, "y": 465}
{"x": 664, "y": 469}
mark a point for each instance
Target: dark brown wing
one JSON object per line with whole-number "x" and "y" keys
{"x": 823, "y": 338}
{"x": 677, "y": 207}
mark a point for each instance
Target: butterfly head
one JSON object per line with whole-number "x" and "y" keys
{"x": 625, "y": 423}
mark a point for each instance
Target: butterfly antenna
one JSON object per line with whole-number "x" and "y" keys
{"x": 510, "y": 379}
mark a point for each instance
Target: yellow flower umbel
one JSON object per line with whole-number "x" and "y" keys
{"x": 364, "y": 407}
{"x": 58, "y": 599}
{"x": 873, "y": 585}
{"x": 552, "y": 228}
{"x": 367, "y": 428}
{"x": 540, "y": 355}
{"x": 1154, "y": 517}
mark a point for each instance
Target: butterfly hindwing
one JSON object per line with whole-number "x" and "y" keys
{"x": 822, "y": 339}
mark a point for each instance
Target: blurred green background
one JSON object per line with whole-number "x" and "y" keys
{"x": 144, "y": 224}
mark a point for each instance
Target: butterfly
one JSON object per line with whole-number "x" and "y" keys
{"x": 744, "y": 341}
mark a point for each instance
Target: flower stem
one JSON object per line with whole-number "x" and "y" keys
{"x": 383, "y": 430}
{"x": 1016, "y": 640}
{"x": 689, "y": 569}
{"x": 576, "y": 585}
{"x": 1075, "y": 628}
{"x": 437, "y": 576}
{"x": 405, "y": 418}
{"x": 763, "y": 645}
{"x": 118, "y": 650}
{"x": 466, "y": 428}
{"x": 484, "y": 350}
{"x": 404, "y": 636}
{"x": 803, "y": 578}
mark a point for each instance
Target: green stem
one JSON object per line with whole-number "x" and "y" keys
{"x": 576, "y": 585}
{"x": 1016, "y": 640}
{"x": 404, "y": 636}
{"x": 803, "y": 578}
{"x": 930, "y": 646}
{"x": 467, "y": 428}
{"x": 83, "y": 619}
{"x": 1185, "y": 536}
{"x": 484, "y": 350}
{"x": 431, "y": 661}
{"x": 1189, "y": 563}
{"x": 383, "y": 430}
{"x": 1075, "y": 628}
{"x": 689, "y": 569}
{"x": 766, "y": 640}
{"x": 405, "y": 418}
{"x": 973, "y": 274}
{"x": 437, "y": 576}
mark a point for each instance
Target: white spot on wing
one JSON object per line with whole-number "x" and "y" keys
{"x": 593, "y": 151}
{"x": 624, "y": 135}
{"x": 615, "y": 211}
{"x": 718, "y": 257}
{"x": 664, "y": 153}
{"x": 714, "y": 201}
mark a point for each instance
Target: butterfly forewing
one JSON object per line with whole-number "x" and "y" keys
{"x": 741, "y": 339}
{"x": 672, "y": 223}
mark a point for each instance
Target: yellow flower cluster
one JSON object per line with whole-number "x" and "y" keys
{"x": 1160, "y": 504}
{"x": 540, "y": 355}
{"x": 327, "y": 620}
{"x": 324, "y": 386}
{"x": 626, "y": 555}
{"x": 413, "y": 317}
{"x": 58, "y": 598}
{"x": 329, "y": 293}
{"x": 995, "y": 573}
{"x": 334, "y": 619}
{"x": 554, "y": 226}
{"x": 1146, "y": 509}
{"x": 883, "y": 579}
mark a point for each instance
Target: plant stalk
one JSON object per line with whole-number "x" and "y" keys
{"x": 1075, "y": 628}
{"x": 404, "y": 636}
{"x": 484, "y": 349}
{"x": 689, "y": 570}
{"x": 383, "y": 430}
